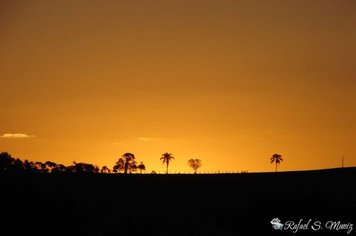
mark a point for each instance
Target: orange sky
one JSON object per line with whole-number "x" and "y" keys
{"x": 228, "y": 82}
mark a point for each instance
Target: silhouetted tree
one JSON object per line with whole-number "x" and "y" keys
{"x": 84, "y": 168}
{"x": 276, "y": 158}
{"x": 195, "y": 164}
{"x": 6, "y": 161}
{"x": 119, "y": 166}
{"x": 41, "y": 167}
{"x": 130, "y": 162}
{"x": 126, "y": 163}
{"x": 105, "y": 169}
{"x": 50, "y": 165}
{"x": 18, "y": 166}
{"x": 59, "y": 168}
{"x": 70, "y": 169}
{"x": 132, "y": 167}
{"x": 29, "y": 166}
{"x": 141, "y": 167}
{"x": 166, "y": 158}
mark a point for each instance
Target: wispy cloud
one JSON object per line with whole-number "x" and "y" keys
{"x": 146, "y": 140}
{"x": 17, "y": 136}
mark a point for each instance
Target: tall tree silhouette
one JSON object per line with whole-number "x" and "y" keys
{"x": 141, "y": 167}
{"x": 195, "y": 164}
{"x": 119, "y": 165}
{"x": 166, "y": 158}
{"x": 126, "y": 163}
{"x": 276, "y": 158}
{"x": 130, "y": 162}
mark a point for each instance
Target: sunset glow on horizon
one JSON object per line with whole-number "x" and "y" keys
{"x": 227, "y": 82}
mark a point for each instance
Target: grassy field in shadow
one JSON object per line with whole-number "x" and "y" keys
{"x": 152, "y": 204}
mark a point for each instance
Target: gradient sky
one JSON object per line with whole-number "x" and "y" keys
{"x": 228, "y": 82}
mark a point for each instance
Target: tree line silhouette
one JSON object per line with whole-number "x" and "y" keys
{"x": 126, "y": 164}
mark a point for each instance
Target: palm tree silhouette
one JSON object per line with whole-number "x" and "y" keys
{"x": 276, "y": 158}
{"x": 166, "y": 158}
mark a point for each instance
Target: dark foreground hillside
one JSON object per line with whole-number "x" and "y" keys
{"x": 226, "y": 204}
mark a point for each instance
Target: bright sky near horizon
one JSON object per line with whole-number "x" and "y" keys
{"x": 228, "y": 82}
